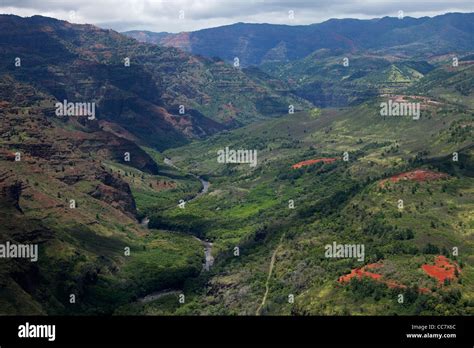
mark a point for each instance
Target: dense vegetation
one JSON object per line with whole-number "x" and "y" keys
{"x": 134, "y": 242}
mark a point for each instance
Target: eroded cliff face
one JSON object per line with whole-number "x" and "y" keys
{"x": 115, "y": 192}
{"x": 10, "y": 191}
{"x": 56, "y": 193}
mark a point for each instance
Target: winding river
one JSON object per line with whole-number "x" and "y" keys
{"x": 208, "y": 258}
{"x": 205, "y": 184}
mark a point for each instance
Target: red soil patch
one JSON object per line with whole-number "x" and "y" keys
{"x": 415, "y": 175}
{"x": 313, "y": 161}
{"x": 361, "y": 272}
{"x": 442, "y": 269}
{"x": 425, "y": 102}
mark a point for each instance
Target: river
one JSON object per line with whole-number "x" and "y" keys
{"x": 208, "y": 258}
{"x": 205, "y": 184}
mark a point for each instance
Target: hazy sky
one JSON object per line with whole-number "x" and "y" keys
{"x": 167, "y": 15}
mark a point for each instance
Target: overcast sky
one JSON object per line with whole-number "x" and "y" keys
{"x": 188, "y": 15}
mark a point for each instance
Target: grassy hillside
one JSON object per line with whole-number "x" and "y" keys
{"x": 341, "y": 201}
{"x": 449, "y": 83}
{"x": 329, "y": 78}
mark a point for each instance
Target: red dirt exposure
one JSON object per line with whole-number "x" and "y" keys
{"x": 361, "y": 272}
{"x": 313, "y": 161}
{"x": 415, "y": 175}
{"x": 442, "y": 269}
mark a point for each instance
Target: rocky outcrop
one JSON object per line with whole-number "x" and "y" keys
{"x": 115, "y": 192}
{"x": 10, "y": 191}
{"x": 116, "y": 198}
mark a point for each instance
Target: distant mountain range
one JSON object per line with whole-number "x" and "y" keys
{"x": 168, "y": 97}
{"x": 255, "y": 44}
{"x": 164, "y": 97}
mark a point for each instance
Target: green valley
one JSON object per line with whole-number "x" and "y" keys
{"x": 134, "y": 212}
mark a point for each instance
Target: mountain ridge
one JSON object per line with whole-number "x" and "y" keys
{"x": 190, "y": 96}
{"x": 380, "y": 33}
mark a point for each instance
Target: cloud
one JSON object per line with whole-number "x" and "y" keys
{"x": 187, "y": 15}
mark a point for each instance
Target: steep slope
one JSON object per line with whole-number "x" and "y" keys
{"x": 255, "y": 44}
{"x": 57, "y": 193}
{"x": 327, "y": 78}
{"x": 163, "y": 98}
{"x": 77, "y": 186}
{"x": 280, "y": 248}
{"x": 454, "y": 84}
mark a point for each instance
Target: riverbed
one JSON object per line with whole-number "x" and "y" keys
{"x": 208, "y": 258}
